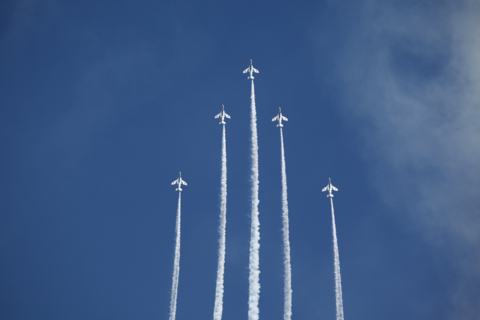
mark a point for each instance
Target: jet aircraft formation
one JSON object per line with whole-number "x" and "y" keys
{"x": 179, "y": 182}
{"x": 279, "y": 118}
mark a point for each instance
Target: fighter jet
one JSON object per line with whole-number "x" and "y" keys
{"x": 279, "y": 118}
{"x": 223, "y": 115}
{"x": 250, "y": 69}
{"x": 179, "y": 182}
{"x": 329, "y": 188}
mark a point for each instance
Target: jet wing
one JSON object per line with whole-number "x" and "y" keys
{"x": 334, "y": 188}
{"x": 325, "y": 189}
{"x": 218, "y": 115}
{"x": 174, "y": 182}
{"x": 226, "y": 115}
{"x": 255, "y": 70}
{"x": 246, "y": 70}
{"x": 274, "y": 119}
{"x": 184, "y": 183}
{"x": 285, "y": 118}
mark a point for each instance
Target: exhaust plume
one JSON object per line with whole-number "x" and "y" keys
{"x": 287, "y": 315}
{"x": 218, "y": 309}
{"x": 176, "y": 264}
{"x": 338, "y": 280}
{"x": 254, "y": 277}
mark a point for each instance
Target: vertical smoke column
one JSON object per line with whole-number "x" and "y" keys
{"x": 176, "y": 263}
{"x": 287, "y": 314}
{"x": 217, "y": 311}
{"x": 254, "y": 278}
{"x": 338, "y": 280}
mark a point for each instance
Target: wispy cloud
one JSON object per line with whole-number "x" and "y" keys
{"x": 410, "y": 75}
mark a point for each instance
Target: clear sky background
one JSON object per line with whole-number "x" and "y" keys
{"x": 102, "y": 103}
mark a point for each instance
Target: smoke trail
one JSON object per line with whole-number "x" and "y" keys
{"x": 176, "y": 264}
{"x": 338, "y": 280}
{"x": 254, "y": 277}
{"x": 217, "y": 311}
{"x": 287, "y": 314}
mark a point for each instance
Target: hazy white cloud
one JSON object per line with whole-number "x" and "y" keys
{"x": 410, "y": 75}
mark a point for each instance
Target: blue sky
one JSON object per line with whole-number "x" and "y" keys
{"x": 102, "y": 103}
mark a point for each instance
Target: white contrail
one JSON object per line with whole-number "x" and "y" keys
{"x": 287, "y": 314}
{"x": 254, "y": 277}
{"x": 217, "y": 311}
{"x": 176, "y": 264}
{"x": 338, "y": 280}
